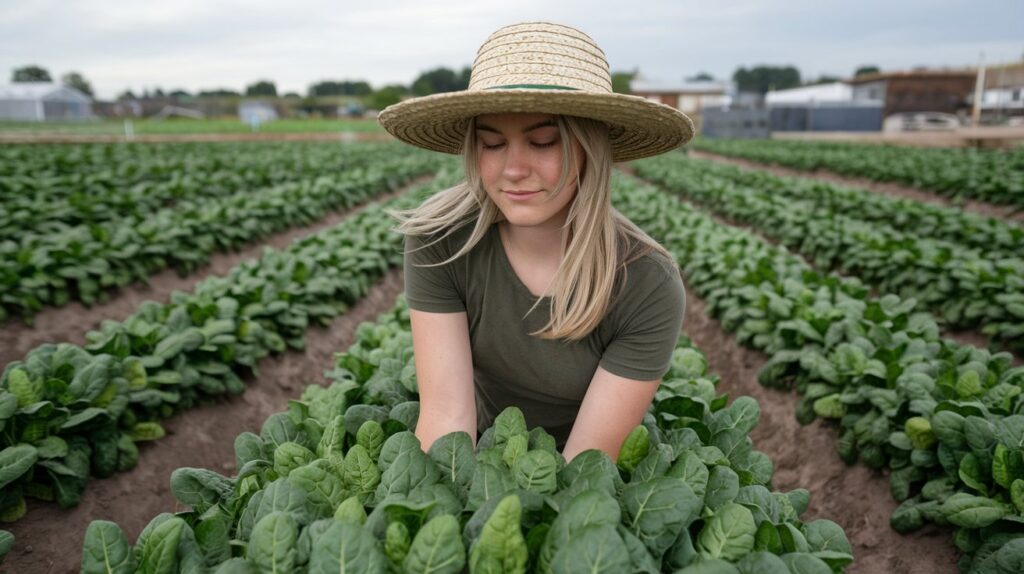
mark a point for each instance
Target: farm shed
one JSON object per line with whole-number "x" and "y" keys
{"x": 836, "y": 92}
{"x": 687, "y": 97}
{"x": 917, "y": 91}
{"x": 41, "y": 101}
{"x": 1003, "y": 91}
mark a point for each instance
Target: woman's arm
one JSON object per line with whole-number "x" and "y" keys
{"x": 612, "y": 407}
{"x": 444, "y": 374}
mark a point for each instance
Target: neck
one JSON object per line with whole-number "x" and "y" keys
{"x": 535, "y": 243}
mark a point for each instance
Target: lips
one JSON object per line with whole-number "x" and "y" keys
{"x": 520, "y": 195}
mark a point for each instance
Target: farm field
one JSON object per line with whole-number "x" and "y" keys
{"x": 960, "y": 174}
{"x": 821, "y": 414}
{"x": 188, "y": 126}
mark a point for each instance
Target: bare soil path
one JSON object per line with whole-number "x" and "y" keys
{"x": 1006, "y": 212}
{"x": 49, "y": 539}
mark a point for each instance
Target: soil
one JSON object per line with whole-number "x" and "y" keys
{"x": 70, "y": 323}
{"x": 1009, "y": 213}
{"x": 855, "y": 497}
{"x": 49, "y": 539}
{"x": 971, "y": 337}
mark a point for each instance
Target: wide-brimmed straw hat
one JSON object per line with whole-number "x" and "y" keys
{"x": 540, "y": 67}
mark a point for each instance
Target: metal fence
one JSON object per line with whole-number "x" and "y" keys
{"x": 760, "y": 123}
{"x": 749, "y": 124}
{"x": 826, "y": 119}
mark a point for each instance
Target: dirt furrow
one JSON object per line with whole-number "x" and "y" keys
{"x": 855, "y": 497}
{"x": 70, "y": 323}
{"x": 1006, "y": 212}
{"x": 49, "y": 538}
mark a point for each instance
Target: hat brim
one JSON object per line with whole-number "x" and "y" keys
{"x": 637, "y": 127}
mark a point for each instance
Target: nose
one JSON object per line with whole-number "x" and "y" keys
{"x": 517, "y": 162}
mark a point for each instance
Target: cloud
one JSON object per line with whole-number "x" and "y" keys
{"x": 205, "y": 44}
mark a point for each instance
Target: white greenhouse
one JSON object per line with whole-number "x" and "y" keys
{"x": 40, "y": 101}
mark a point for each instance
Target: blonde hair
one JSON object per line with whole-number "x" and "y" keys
{"x": 597, "y": 241}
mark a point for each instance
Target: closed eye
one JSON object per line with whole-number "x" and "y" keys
{"x": 538, "y": 145}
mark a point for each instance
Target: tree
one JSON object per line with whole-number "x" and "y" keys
{"x": 384, "y": 97}
{"x": 179, "y": 93}
{"x": 261, "y": 88}
{"x": 126, "y": 95}
{"x": 440, "y": 80}
{"x": 218, "y": 93}
{"x": 701, "y": 77}
{"x": 31, "y": 73}
{"x": 761, "y": 79}
{"x": 621, "y": 81}
{"x": 865, "y": 70}
{"x": 342, "y": 88}
{"x": 76, "y": 81}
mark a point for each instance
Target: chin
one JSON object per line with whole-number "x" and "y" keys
{"x": 524, "y": 219}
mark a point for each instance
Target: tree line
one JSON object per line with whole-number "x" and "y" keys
{"x": 758, "y": 79}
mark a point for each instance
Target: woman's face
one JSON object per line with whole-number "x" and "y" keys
{"x": 520, "y": 165}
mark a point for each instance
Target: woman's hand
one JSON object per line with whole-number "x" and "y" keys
{"x": 444, "y": 375}
{"x": 612, "y": 407}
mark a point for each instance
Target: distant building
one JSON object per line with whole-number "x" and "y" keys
{"x": 41, "y": 101}
{"x": 822, "y": 107}
{"x": 946, "y": 91}
{"x": 256, "y": 112}
{"x": 1003, "y": 92}
{"x": 834, "y": 93}
{"x": 178, "y": 112}
{"x": 688, "y": 97}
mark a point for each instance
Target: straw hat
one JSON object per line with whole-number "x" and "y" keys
{"x": 544, "y": 68}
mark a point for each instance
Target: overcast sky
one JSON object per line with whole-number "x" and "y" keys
{"x": 193, "y": 44}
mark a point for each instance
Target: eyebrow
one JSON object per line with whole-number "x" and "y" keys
{"x": 543, "y": 124}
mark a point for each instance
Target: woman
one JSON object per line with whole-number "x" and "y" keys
{"x": 525, "y": 287}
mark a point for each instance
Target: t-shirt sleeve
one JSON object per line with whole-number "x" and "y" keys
{"x": 648, "y": 329}
{"x": 431, "y": 289}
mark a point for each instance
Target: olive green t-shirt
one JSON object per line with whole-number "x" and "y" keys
{"x": 546, "y": 379}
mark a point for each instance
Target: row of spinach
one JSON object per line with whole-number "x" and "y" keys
{"x": 68, "y": 412}
{"x": 340, "y": 483}
{"x": 996, "y": 176}
{"x": 997, "y": 238}
{"x": 966, "y": 287}
{"x": 946, "y": 419}
{"x": 84, "y": 262}
{"x": 45, "y": 186}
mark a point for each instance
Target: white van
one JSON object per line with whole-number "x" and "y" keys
{"x": 920, "y": 121}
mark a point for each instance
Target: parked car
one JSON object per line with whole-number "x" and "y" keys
{"x": 920, "y": 121}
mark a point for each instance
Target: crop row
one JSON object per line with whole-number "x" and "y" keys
{"x": 948, "y": 420}
{"x": 50, "y": 188}
{"x": 963, "y": 286}
{"x": 84, "y": 262}
{"x": 67, "y": 412}
{"x": 997, "y": 238}
{"x": 993, "y": 176}
{"x": 341, "y": 483}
